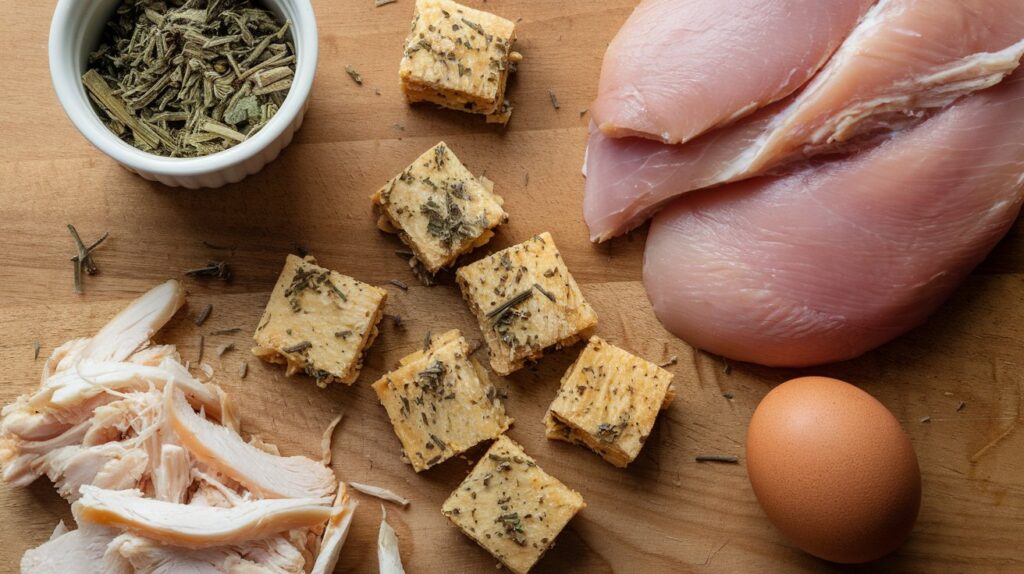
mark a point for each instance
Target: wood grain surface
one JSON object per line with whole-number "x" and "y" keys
{"x": 666, "y": 513}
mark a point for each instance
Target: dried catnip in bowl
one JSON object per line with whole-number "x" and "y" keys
{"x": 188, "y": 78}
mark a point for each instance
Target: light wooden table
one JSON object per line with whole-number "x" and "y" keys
{"x": 666, "y": 513}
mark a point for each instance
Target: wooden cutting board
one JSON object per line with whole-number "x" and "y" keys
{"x": 666, "y": 513}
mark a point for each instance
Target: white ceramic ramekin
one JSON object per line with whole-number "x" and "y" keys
{"x": 75, "y": 31}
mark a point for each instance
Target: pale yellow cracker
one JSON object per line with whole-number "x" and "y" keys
{"x": 441, "y": 402}
{"x": 439, "y": 209}
{"x": 511, "y": 507}
{"x": 459, "y": 58}
{"x": 525, "y": 300}
{"x": 319, "y": 321}
{"x": 608, "y": 401}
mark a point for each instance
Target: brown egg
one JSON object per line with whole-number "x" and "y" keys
{"x": 833, "y": 470}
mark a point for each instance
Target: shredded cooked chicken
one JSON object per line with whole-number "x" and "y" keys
{"x": 389, "y": 559}
{"x": 152, "y": 458}
{"x": 325, "y": 442}
{"x": 381, "y": 493}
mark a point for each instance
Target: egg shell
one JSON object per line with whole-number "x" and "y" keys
{"x": 833, "y": 470}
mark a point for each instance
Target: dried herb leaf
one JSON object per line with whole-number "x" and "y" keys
{"x": 215, "y": 269}
{"x": 500, "y": 310}
{"x": 297, "y": 347}
{"x": 203, "y": 315}
{"x": 190, "y": 77}
{"x": 723, "y": 458}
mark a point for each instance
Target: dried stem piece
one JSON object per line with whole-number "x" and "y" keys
{"x": 84, "y": 262}
{"x": 191, "y": 77}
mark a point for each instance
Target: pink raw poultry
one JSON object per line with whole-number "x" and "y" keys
{"x": 678, "y": 68}
{"x": 905, "y": 58}
{"x": 831, "y": 261}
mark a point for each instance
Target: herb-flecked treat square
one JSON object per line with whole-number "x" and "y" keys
{"x": 459, "y": 58}
{"x": 441, "y": 402}
{"x": 525, "y": 301}
{"x": 439, "y": 209}
{"x": 608, "y": 402}
{"x": 511, "y": 507}
{"x": 319, "y": 322}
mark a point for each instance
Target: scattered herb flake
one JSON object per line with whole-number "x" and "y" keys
{"x": 554, "y": 100}
{"x": 214, "y": 269}
{"x": 203, "y": 315}
{"x": 400, "y": 284}
{"x": 723, "y": 458}
{"x": 513, "y": 527}
{"x": 35, "y": 351}
{"x": 500, "y": 310}
{"x": 959, "y": 407}
{"x": 544, "y": 292}
{"x": 671, "y": 362}
{"x": 297, "y": 347}
{"x": 447, "y": 223}
{"x": 352, "y": 73}
{"x": 926, "y": 419}
{"x": 225, "y": 348}
{"x": 379, "y": 3}
{"x": 243, "y": 370}
{"x": 230, "y": 331}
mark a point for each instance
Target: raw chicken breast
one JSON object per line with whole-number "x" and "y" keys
{"x": 193, "y": 526}
{"x": 629, "y": 179}
{"x": 906, "y": 58}
{"x": 678, "y": 68}
{"x": 827, "y": 263}
{"x": 263, "y": 473}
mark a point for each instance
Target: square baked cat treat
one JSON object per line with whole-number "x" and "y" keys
{"x": 319, "y": 322}
{"x": 609, "y": 401}
{"x": 439, "y": 209}
{"x": 441, "y": 402}
{"x": 460, "y": 58}
{"x": 511, "y": 507}
{"x": 525, "y": 300}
